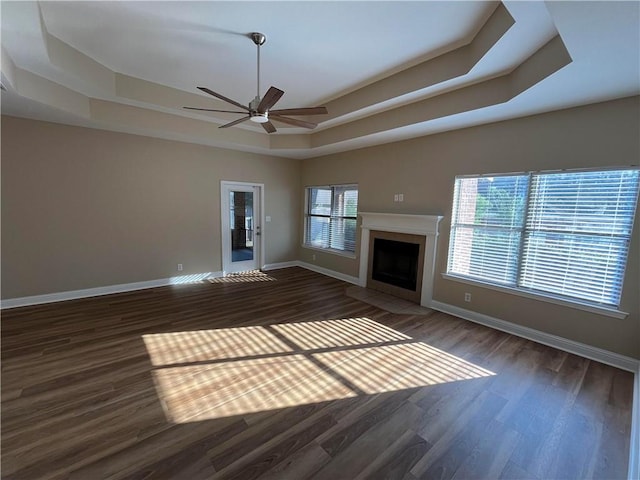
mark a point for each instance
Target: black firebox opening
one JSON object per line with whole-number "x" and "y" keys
{"x": 395, "y": 263}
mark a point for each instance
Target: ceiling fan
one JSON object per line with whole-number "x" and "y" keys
{"x": 259, "y": 109}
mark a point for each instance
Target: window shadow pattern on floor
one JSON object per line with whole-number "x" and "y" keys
{"x": 207, "y": 374}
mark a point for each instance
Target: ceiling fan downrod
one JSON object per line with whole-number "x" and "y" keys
{"x": 259, "y": 39}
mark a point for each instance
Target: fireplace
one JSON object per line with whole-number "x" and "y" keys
{"x": 396, "y": 263}
{"x": 397, "y": 254}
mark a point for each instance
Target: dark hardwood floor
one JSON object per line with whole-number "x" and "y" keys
{"x": 283, "y": 376}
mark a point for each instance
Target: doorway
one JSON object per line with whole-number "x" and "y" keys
{"x": 241, "y": 226}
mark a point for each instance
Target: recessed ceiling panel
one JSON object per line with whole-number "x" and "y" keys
{"x": 314, "y": 50}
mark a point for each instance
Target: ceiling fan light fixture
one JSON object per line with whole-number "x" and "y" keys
{"x": 259, "y": 117}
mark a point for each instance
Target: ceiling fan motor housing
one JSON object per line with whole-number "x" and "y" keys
{"x": 255, "y": 115}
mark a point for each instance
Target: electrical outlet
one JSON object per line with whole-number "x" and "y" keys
{"x": 395, "y": 197}
{"x": 401, "y": 197}
{"x": 467, "y": 297}
{"x": 179, "y": 267}
{"x": 313, "y": 257}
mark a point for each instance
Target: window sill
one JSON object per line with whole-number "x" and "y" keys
{"x": 340, "y": 253}
{"x": 607, "y": 311}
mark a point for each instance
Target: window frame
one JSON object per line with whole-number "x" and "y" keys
{"x": 308, "y": 215}
{"x": 516, "y": 288}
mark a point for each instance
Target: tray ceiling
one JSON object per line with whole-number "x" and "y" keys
{"x": 385, "y": 70}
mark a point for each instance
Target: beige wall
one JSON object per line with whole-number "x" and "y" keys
{"x": 599, "y": 135}
{"x": 85, "y": 208}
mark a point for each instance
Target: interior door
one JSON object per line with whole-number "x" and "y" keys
{"x": 241, "y": 225}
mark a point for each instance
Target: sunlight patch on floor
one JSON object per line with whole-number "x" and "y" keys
{"x": 166, "y": 349}
{"x": 207, "y": 374}
{"x": 203, "y": 392}
{"x": 244, "y": 277}
{"x": 188, "y": 279}
{"x": 396, "y": 367}
{"x": 338, "y": 333}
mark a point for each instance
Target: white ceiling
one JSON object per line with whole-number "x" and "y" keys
{"x": 317, "y": 52}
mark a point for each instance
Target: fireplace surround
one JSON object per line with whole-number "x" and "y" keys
{"x": 420, "y": 230}
{"x": 395, "y": 265}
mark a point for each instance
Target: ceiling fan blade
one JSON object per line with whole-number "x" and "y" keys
{"x": 212, "y": 110}
{"x": 235, "y": 122}
{"x": 222, "y": 97}
{"x": 293, "y": 121}
{"x": 268, "y": 126}
{"x": 270, "y": 98}
{"x": 301, "y": 111}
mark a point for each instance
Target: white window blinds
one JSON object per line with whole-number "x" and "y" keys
{"x": 565, "y": 234}
{"x": 487, "y": 227}
{"x": 331, "y": 217}
{"x": 578, "y": 230}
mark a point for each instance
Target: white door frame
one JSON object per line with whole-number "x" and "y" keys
{"x": 258, "y": 191}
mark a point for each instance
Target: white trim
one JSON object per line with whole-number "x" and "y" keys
{"x": 330, "y": 273}
{"x": 401, "y": 222}
{"x": 276, "y": 266}
{"x": 549, "y": 298}
{"x": 598, "y": 354}
{"x": 162, "y": 282}
{"x": 107, "y": 290}
{"x": 425, "y": 225}
{"x": 259, "y": 216}
{"x": 634, "y": 445}
{"x": 314, "y": 268}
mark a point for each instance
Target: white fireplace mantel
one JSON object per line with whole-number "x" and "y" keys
{"x": 426, "y": 225}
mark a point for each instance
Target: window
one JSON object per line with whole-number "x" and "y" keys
{"x": 562, "y": 234}
{"x": 331, "y": 216}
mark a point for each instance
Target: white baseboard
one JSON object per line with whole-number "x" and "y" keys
{"x": 130, "y": 287}
{"x": 604, "y": 356}
{"x": 109, "y": 289}
{"x": 162, "y": 282}
{"x": 276, "y": 266}
{"x": 329, "y": 273}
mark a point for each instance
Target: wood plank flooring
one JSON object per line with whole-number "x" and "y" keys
{"x": 283, "y": 376}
